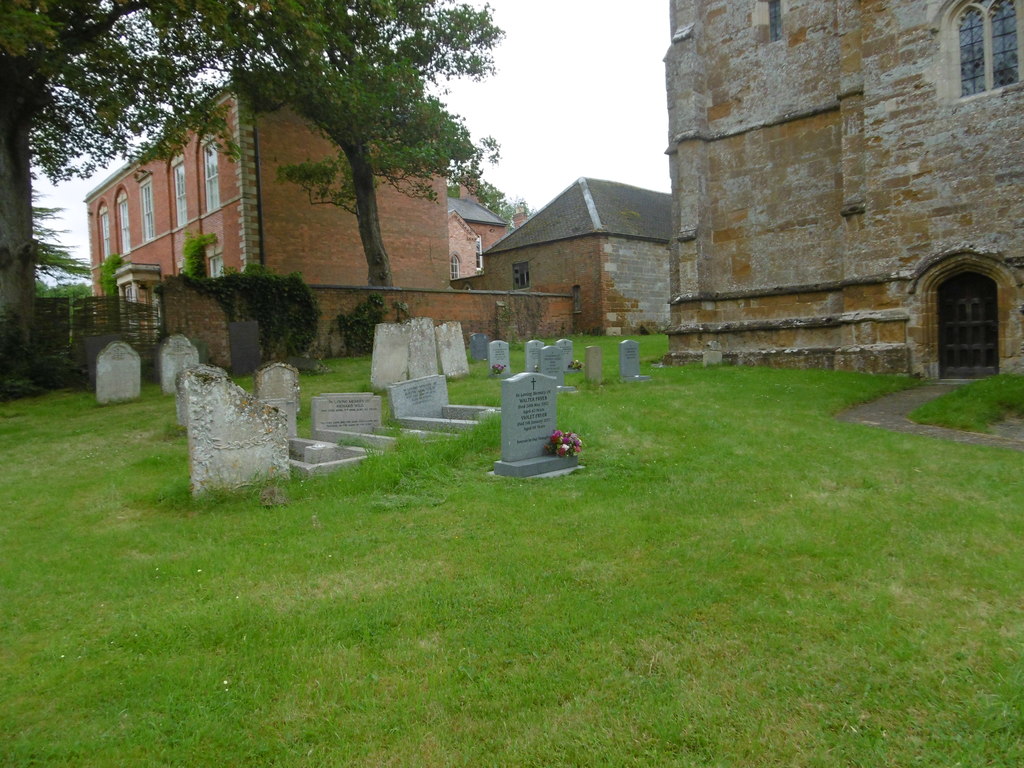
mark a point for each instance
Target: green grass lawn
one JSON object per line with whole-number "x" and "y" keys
{"x": 976, "y": 406}
{"x": 734, "y": 579}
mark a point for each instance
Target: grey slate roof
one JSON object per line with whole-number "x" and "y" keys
{"x": 471, "y": 210}
{"x": 593, "y": 206}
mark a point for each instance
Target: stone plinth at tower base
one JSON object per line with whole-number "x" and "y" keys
{"x": 529, "y": 410}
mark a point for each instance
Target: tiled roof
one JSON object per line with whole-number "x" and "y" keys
{"x": 470, "y": 210}
{"x": 590, "y": 206}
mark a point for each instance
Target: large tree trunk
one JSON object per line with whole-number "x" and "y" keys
{"x": 367, "y": 215}
{"x": 17, "y": 249}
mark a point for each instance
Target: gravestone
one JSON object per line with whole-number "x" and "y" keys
{"x": 93, "y": 346}
{"x": 497, "y": 354}
{"x": 712, "y": 354}
{"x": 277, "y": 384}
{"x": 533, "y": 348}
{"x": 423, "y": 404}
{"x": 390, "y": 361}
{"x": 529, "y": 411}
{"x": 566, "y": 346}
{"x": 233, "y": 438}
{"x": 176, "y": 354}
{"x": 422, "y": 348}
{"x": 478, "y": 346}
{"x": 552, "y": 363}
{"x": 345, "y": 412}
{"x": 629, "y": 361}
{"x": 451, "y": 350}
{"x": 314, "y": 457}
{"x": 593, "y": 364}
{"x": 118, "y": 373}
{"x": 244, "y": 340}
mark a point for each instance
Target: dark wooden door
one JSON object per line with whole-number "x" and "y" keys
{"x": 968, "y": 327}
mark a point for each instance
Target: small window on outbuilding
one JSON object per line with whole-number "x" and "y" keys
{"x": 456, "y": 267}
{"x": 577, "y": 299}
{"x": 774, "y": 20}
{"x": 521, "y": 274}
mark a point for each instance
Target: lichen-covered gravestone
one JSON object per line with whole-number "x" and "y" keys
{"x": 118, "y": 373}
{"x": 233, "y": 438}
{"x": 176, "y": 354}
{"x": 533, "y": 348}
{"x": 629, "y": 361}
{"x": 345, "y": 412}
{"x": 277, "y": 384}
{"x": 497, "y": 354}
{"x": 529, "y": 414}
{"x": 451, "y": 350}
{"x": 390, "y": 361}
{"x": 422, "y": 348}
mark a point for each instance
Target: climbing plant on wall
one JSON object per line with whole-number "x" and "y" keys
{"x": 357, "y": 326}
{"x": 195, "y": 253}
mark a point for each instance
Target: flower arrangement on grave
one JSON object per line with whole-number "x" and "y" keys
{"x": 497, "y": 369}
{"x": 564, "y": 444}
{"x": 575, "y": 365}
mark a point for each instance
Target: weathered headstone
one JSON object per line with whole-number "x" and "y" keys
{"x": 552, "y": 363}
{"x": 423, "y": 404}
{"x": 529, "y": 411}
{"x": 244, "y": 341}
{"x": 93, "y": 346}
{"x": 118, "y": 373}
{"x": 478, "y": 346}
{"x": 390, "y": 361}
{"x": 277, "y": 384}
{"x": 422, "y": 348}
{"x": 451, "y": 350}
{"x": 593, "y": 364}
{"x": 566, "y": 346}
{"x": 629, "y": 361}
{"x": 712, "y": 354}
{"x": 233, "y": 438}
{"x": 176, "y": 354}
{"x": 533, "y": 348}
{"x": 497, "y": 354}
{"x": 345, "y": 412}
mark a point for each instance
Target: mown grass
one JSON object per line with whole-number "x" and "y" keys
{"x": 734, "y": 579}
{"x": 976, "y": 406}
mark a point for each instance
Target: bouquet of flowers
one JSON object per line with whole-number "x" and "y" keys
{"x": 498, "y": 368}
{"x": 564, "y": 444}
{"x": 575, "y": 365}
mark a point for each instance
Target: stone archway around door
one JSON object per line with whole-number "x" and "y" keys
{"x": 968, "y": 318}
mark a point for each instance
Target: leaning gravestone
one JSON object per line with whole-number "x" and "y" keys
{"x": 629, "y": 361}
{"x": 118, "y": 373}
{"x": 233, "y": 438}
{"x": 451, "y": 350}
{"x": 478, "y": 346}
{"x": 176, "y": 354}
{"x": 497, "y": 354}
{"x": 422, "y": 348}
{"x": 390, "y": 361}
{"x": 533, "y": 348}
{"x": 566, "y": 346}
{"x": 552, "y": 363}
{"x": 529, "y": 411}
{"x": 277, "y": 384}
{"x": 244, "y": 340}
{"x": 345, "y": 412}
{"x": 593, "y": 364}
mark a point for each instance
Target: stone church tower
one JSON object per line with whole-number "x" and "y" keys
{"x": 848, "y": 183}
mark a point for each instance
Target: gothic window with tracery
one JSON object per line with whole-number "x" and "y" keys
{"x": 989, "y": 45}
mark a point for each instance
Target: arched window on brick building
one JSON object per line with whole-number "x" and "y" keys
{"x": 456, "y": 264}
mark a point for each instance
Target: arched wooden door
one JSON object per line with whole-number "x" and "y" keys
{"x": 968, "y": 327}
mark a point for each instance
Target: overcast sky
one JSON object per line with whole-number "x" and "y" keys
{"x": 580, "y": 91}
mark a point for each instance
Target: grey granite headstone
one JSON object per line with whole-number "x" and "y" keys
{"x": 566, "y": 346}
{"x": 424, "y": 397}
{"x": 277, "y": 384}
{"x": 118, "y": 373}
{"x": 497, "y": 354}
{"x": 422, "y": 348}
{"x": 478, "y": 346}
{"x": 345, "y": 412}
{"x": 93, "y": 346}
{"x": 176, "y": 354}
{"x": 593, "y": 364}
{"x": 451, "y": 350}
{"x": 233, "y": 438}
{"x": 533, "y": 348}
{"x": 629, "y": 361}
{"x": 390, "y": 361}
{"x": 529, "y": 411}
{"x": 244, "y": 340}
{"x": 552, "y": 363}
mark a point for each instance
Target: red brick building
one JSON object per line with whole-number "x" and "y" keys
{"x": 143, "y": 212}
{"x": 605, "y": 243}
{"x": 472, "y": 229}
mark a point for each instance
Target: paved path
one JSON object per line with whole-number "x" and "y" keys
{"x": 890, "y": 412}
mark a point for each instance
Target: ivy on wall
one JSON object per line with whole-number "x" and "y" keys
{"x": 194, "y": 251}
{"x": 357, "y": 327}
{"x": 110, "y": 265}
{"x": 283, "y": 305}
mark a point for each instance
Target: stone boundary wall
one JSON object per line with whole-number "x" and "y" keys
{"x": 499, "y": 314}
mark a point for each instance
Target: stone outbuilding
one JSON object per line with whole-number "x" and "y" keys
{"x": 848, "y": 184}
{"x": 605, "y": 243}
